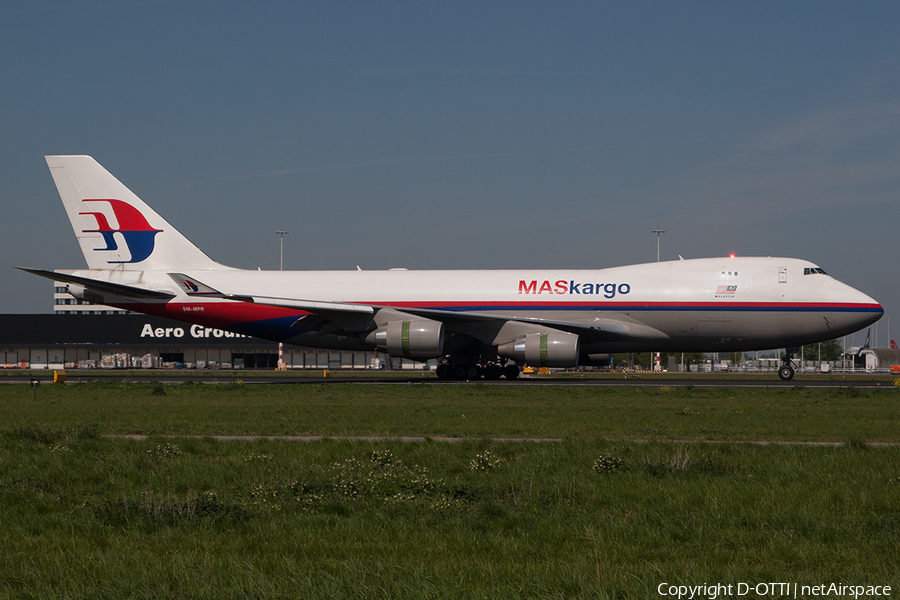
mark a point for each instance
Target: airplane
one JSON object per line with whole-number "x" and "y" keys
{"x": 476, "y": 323}
{"x": 894, "y": 345}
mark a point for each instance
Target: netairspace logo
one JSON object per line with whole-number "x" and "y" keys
{"x": 772, "y": 590}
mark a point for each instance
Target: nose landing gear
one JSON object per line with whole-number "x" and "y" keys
{"x": 786, "y": 372}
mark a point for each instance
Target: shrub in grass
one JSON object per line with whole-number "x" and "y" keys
{"x": 381, "y": 476}
{"x": 485, "y": 461}
{"x": 378, "y": 480}
{"x": 269, "y": 496}
{"x": 606, "y": 464}
{"x": 256, "y": 457}
{"x": 165, "y": 452}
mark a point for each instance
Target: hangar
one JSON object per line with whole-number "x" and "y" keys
{"x": 82, "y": 341}
{"x": 880, "y": 359}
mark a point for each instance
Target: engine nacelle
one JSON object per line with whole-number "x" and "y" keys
{"x": 420, "y": 338}
{"x": 82, "y": 293}
{"x": 543, "y": 349}
{"x": 597, "y": 360}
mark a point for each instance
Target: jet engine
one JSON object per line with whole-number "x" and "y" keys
{"x": 596, "y": 360}
{"x": 82, "y": 293}
{"x": 420, "y": 338}
{"x": 543, "y": 349}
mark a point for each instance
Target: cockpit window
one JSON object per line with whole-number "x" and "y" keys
{"x": 814, "y": 271}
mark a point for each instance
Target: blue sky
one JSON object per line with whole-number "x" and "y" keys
{"x": 463, "y": 134}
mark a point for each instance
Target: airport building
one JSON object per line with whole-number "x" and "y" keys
{"x": 85, "y": 341}
{"x": 81, "y": 335}
{"x": 880, "y": 359}
{"x": 66, "y": 303}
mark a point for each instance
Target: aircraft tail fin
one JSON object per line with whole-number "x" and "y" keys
{"x": 894, "y": 345}
{"x": 115, "y": 228}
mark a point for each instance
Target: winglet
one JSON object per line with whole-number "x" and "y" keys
{"x": 192, "y": 287}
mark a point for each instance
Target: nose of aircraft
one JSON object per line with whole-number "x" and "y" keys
{"x": 853, "y": 309}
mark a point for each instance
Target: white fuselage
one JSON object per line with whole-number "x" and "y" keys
{"x": 689, "y": 305}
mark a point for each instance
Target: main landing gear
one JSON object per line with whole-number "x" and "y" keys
{"x": 472, "y": 371}
{"x": 786, "y": 372}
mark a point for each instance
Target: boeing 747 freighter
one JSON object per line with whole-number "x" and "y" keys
{"x": 475, "y": 322}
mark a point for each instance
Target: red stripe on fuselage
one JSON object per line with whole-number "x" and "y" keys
{"x": 227, "y": 314}
{"x": 214, "y": 314}
{"x": 636, "y": 305}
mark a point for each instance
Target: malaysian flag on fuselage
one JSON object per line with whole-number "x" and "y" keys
{"x": 726, "y": 290}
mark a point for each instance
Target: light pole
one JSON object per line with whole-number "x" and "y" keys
{"x": 281, "y": 232}
{"x": 658, "y": 233}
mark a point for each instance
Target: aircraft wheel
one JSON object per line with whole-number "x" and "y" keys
{"x": 493, "y": 372}
{"x": 786, "y": 373}
{"x": 444, "y": 371}
{"x": 511, "y": 372}
{"x": 473, "y": 372}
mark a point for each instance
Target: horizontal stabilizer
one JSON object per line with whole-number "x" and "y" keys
{"x": 116, "y": 289}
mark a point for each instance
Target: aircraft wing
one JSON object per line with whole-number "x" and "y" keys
{"x": 312, "y": 306}
{"x": 605, "y": 329}
{"x": 324, "y": 317}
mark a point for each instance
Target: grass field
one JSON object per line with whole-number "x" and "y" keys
{"x": 596, "y": 515}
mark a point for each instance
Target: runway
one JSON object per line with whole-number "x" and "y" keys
{"x": 414, "y": 439}
{"x": 862, "y": 381}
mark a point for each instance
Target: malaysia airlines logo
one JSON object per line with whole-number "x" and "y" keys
{"x": 189, "y": 286}
{"x": 139, "y": 236}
